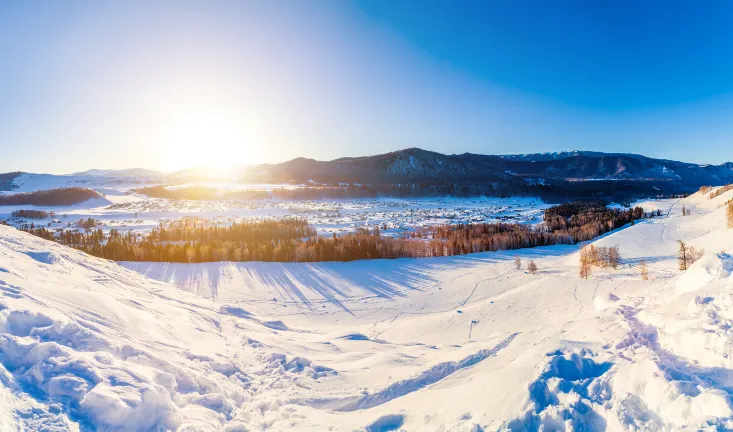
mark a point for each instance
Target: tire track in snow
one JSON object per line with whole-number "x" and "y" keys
{"x": 408, "y": 385}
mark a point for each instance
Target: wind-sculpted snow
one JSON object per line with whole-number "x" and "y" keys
{"x": 465, "y": 343}
{"x": 409, "y": 385}
{"x": 565, "y": 393}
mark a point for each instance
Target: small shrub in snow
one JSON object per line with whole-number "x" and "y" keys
{"x": 644, "y": 270}
{"x": 729, "y": 213}
{"x": 532, "y": 268}
{"x": 517, "y": 262}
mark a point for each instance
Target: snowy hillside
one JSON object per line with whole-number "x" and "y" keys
{"x": 28, "y": 182}
{"x": 124, "y": 173}
{"x": 456, "y": 343}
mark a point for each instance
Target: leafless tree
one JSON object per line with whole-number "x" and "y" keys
{"x": 532, "y": 268}
{"x": 585, "y": 263}
{"x": 644, "y": 270}
{"x": 614, "y": 257}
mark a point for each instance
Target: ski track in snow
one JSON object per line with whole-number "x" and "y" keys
{"x": 410, "y": 385}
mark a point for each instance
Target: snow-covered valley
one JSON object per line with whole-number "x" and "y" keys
{"x": 463, "y": 343}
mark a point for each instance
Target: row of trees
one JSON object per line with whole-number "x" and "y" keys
{"x": 198, "y": 240}
{"x": 50, "y": 197}
{"x": 336, "y": 191}
{"x": 720, "y": 191}
{"x": 591, "y": 256}
{"x": 32, "y": 214}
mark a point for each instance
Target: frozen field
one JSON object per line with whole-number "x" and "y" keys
{"x": 122, "y": 210}
{"x": 462, "y": 343}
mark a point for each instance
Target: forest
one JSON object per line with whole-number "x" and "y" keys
{"x": 293, "y": 240}
{"x": 50, "y": 197}
{"x": 550, "y": 191}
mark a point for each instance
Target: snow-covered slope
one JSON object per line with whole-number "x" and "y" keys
{"x": 29, "y": 182}
{"x": 456, "y": 343}
{"x": 123, "y": 173}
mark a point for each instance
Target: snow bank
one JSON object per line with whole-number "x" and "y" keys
{"x": 705, "y": 270}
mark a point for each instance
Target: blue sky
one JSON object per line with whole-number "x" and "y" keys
{"x": 171, "y": 84}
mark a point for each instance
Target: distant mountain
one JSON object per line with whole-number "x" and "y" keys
{"x": 29, "y": 182}
{"x": 421, "y": 166}
{"x": 234, "y": 173}
{"x": 585, "y": 172}
{"x": 124, "y": 173}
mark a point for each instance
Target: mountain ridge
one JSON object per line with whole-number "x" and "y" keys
{"x": 418, "y": 166}
{"x": 422, "y": 166}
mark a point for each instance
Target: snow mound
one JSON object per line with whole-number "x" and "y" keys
{"x": 605, "y": 301}
{"x": 566, "y": 395}
{"x": 85, "y": 344}
{"x": 60, "y": 363}
{"x": 704, "y": 271}
{"x": 46, "y": 257}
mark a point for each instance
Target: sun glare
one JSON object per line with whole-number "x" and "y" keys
{"x": 209, "y": 139}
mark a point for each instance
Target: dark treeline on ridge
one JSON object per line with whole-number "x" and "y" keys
{"x": 50, "y": 197}
{"x": 32, "y": 214}
{"x": 553, "y": 192}
{"x": 294, "y": 240}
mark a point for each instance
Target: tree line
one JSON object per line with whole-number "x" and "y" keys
{"x": 719, "y": 191}
{"x": 294, "y": 240}
{"x": 32, "y": 214}
{"x": 50, "y": 197}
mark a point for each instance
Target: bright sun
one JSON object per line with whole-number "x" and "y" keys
{"x": 209, "y": 139}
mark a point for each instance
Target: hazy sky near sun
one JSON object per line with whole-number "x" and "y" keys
{"x": 172, "y": 84}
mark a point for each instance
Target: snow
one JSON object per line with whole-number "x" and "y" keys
{"x": 461, "y": 343}
{"x": 125, "y": 211}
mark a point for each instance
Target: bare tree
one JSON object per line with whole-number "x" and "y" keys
{"x": 683, "y": 255}
{"x": 694, "y": 255}
{"x": 644, "y": 270}
{"x": 517, "y": 262}
{"x": 584, "y": 270}
{"x": 614, "y": 257}
{"x": 532, "y": 268}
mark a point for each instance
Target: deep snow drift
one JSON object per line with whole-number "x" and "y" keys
{"x": 456, "y": 343}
